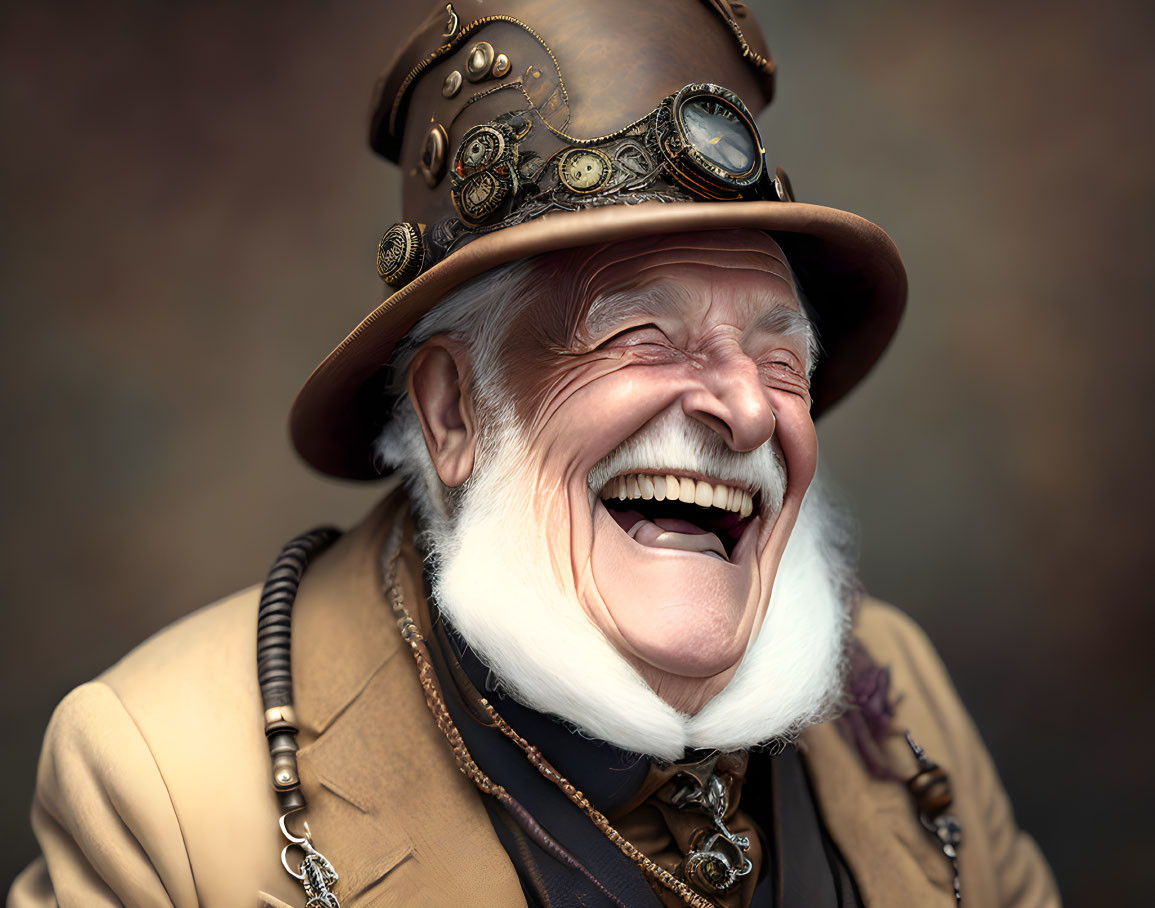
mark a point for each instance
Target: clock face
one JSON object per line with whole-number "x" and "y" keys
{"x": 583, "y": 170}
{"x": 480, "y": 147}
{"x": 716, "y": 131}
{"x": 480, "y": 195}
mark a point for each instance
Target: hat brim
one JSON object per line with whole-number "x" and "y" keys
{"x": 849, "y": 269}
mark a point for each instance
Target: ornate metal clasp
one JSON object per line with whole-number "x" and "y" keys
{"x": 718, "y": 857}
{"x": 315, "y": 872}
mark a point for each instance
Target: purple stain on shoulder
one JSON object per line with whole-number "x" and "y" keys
{"x": 871, "y": 709}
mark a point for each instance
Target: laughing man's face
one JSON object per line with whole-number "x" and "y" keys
{"x": 666, "y": 413}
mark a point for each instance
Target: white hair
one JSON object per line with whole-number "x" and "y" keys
{"x": 480, "y": 313}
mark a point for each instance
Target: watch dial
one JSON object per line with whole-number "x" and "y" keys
{"x": 716, "y": 132}
{"x": 480, "y": 148}
{"x": 583, "y": 171}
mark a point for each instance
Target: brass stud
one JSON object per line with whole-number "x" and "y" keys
{"x": 480, "y": 61}
{"x": 433, "y": 155}
{"x": 451, "y": 85}
{"x": 500, "y": 66}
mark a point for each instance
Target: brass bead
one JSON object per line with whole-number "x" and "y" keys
{"x": 452, "y": 84}
{"x": 279, "y": 717}
{"x": 500, "y": 66}
{"x": 480, "y": 61}
{"x": 931, "y": 790}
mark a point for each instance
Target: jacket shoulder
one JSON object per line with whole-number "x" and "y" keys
{"x": 102, "y": 814}
{"x": 192, "y": 691}
{"x": 215, "y": 644}
{"x": 175, "y": 730}
{"x": 888, "y": 631}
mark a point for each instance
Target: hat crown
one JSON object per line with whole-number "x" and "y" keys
{"x": 525, "y": 127}
{"x": 587, "y": 68}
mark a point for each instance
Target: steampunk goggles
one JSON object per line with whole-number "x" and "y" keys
{"x": 700, "y": 143}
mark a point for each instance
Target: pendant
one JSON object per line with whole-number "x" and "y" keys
{"x": 718, "y": 857}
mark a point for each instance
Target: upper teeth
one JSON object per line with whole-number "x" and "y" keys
{"x": 673, "y": 488}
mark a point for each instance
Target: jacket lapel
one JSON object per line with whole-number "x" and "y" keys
{"x": 386, "y": 802}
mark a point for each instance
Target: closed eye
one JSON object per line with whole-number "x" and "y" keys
{"x": 785, "y": 376}
{"x": 636, "y": 336}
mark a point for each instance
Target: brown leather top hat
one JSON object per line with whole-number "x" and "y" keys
{"x": 528, "y": 126}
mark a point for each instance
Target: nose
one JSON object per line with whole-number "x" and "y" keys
{"x": 731, "y": 399}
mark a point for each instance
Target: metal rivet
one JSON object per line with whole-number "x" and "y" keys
{"x": 451, "y": 85}
{"x": 433, "y": 155}
{"x": 480, "y": 61}
{"x": 500, "y": 66}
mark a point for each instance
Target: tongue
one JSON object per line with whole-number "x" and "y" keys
{"x": 669, "y": 533}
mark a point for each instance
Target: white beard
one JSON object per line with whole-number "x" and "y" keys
{"x": 494, "y": 582}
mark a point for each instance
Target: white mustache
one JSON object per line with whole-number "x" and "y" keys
{"x": 675, "y": 443}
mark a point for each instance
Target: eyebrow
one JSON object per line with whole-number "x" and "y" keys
{"x": 608, "y": 310}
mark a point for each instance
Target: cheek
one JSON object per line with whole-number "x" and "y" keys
{"x": 585, "y": 409}
{"x": 799, "y": 441}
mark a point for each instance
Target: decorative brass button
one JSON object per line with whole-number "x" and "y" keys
{"x": 452, "y": 84}
{"x": 480, "y": 61}
{"x": 400, "y": 254}
{"x": 500, "y": 66}
{"x": 433, "y": 155}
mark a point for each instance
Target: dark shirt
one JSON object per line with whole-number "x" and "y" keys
{"x": 799, "y": 864}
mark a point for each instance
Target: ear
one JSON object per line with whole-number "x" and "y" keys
{"x": 438, "y": 385}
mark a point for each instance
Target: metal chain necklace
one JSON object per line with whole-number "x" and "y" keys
{"x": 465, "y": 762}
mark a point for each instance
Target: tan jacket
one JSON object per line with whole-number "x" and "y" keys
{"x": 153, "y": 787}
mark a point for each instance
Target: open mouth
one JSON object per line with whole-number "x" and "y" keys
{"x": 679, "y": 512}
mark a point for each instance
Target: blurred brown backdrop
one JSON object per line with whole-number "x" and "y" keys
{"x": 191, "y": 215}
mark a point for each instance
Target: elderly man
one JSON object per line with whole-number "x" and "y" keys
{"x": 600, "y": 644}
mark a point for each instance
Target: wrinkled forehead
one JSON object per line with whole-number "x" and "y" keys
{"x": 601, "y": 275}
